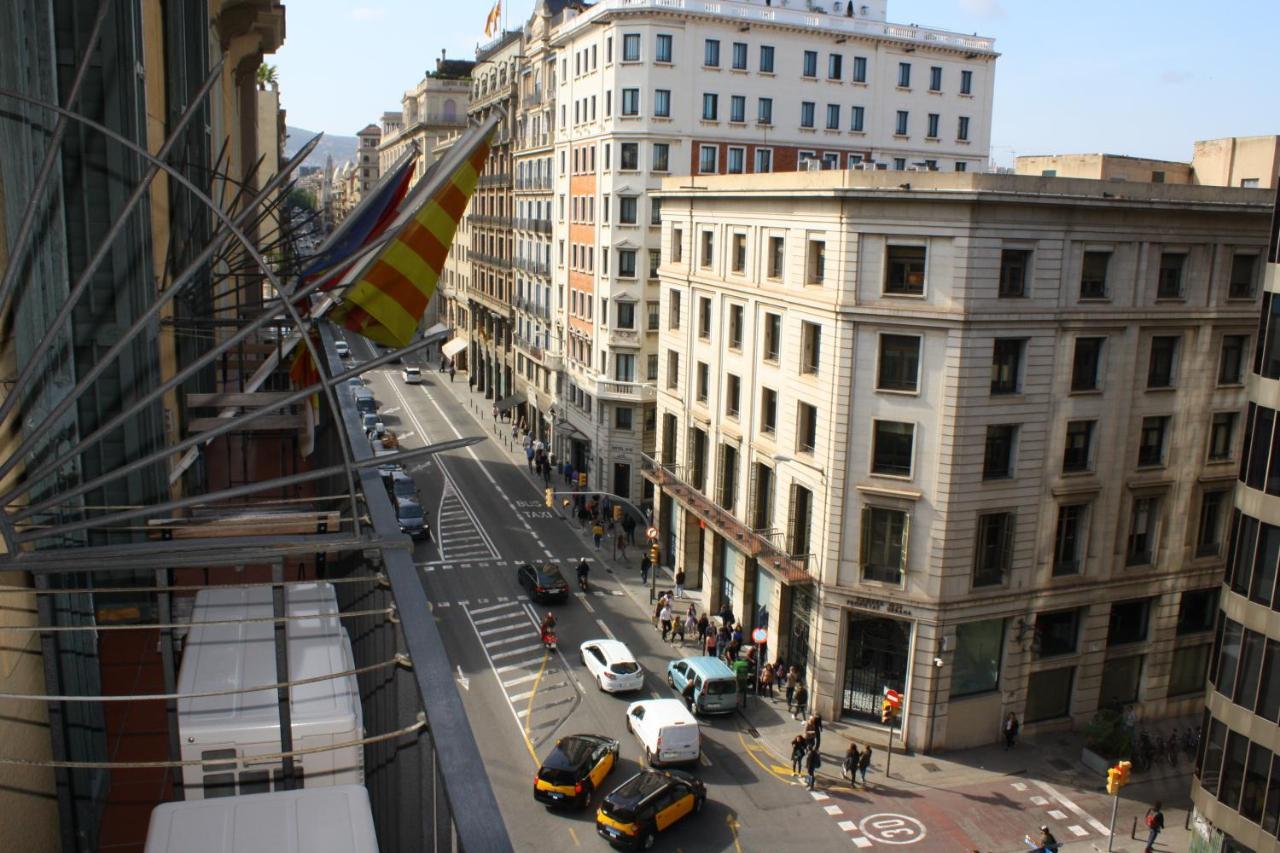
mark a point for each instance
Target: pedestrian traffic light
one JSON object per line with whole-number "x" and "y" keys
{"x": 886, "y": 712}
{"x": 582, "y": 479}
{"x": 551, "y": 498}
{"x": 1113, "y": 781}
{"x": 653, "y": 553}
{"x": 617, "y": 512}
{"x": 1124, "y": 767}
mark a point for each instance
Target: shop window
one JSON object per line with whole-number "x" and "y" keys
{"x": 1121, "y": 680}
{"x": 976, "y": 664}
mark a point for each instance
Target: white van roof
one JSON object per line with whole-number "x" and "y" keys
{"x": 336, "y": 819}
{"x": 665, "y": 711}
{"x": 242, "y": 654}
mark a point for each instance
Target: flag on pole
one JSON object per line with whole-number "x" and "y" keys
{"x": 303, "y": 372}
{"x": 390, "y": 294}
{"x": 493, "y": 24}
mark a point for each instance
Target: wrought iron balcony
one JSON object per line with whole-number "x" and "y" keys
{"x": 751, "y": 542}
{"x": 498, "y": 179}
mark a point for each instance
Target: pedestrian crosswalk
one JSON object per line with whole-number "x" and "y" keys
{"x": 537, "y": 684}
{"x": 460, "y": 534}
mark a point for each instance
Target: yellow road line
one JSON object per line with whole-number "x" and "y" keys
{"x": 528, "y": 715}
{"x": 750, "y": 751}
{"x": 574, "y": 836}
{"x": 733, "y": 828}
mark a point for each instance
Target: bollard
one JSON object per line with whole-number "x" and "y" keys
{"x": 1133, "y": 830}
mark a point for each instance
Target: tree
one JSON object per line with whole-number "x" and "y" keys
{"x": 267, "y": 76}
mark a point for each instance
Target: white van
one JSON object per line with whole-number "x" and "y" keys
{"x": 234, "y": 728}
{"x": 666, "y": 730}
{"x": 309, "y": 820}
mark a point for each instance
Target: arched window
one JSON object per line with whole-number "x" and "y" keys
{"x": 450, "y": 109}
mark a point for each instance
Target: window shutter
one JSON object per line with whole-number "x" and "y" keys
{"x": 866, "y": 537}
{"x": 906, "y": 540}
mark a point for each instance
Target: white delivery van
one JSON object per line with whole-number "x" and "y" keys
{"x": 666, "y": 730}
{"x": 309, "y": 820}
{"x": 235, "y": 728}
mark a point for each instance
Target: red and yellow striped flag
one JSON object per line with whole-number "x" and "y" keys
{"x": 389, "y": 299}
{"x": 302, "y": 373}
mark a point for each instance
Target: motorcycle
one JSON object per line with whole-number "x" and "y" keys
{"x": 549, "y": 639}
{"x": 582, "y": 582}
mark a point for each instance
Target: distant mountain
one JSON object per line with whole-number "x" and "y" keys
{"x": 341, "y": 148}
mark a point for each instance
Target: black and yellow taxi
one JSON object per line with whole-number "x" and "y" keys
{"x": 574, "y": 769}
{"x": 635, "y": 812}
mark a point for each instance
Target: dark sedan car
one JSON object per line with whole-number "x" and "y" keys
{"x": 543, "y": 583}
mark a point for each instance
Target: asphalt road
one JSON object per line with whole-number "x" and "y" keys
{"x": 488, "y": 517}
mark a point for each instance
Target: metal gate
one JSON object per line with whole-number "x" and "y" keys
{"x": 876, "y": 657}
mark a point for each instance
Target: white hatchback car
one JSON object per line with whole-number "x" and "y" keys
{"x": 612, "y": 665}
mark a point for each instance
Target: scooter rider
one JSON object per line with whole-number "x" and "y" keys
{"x": 548, "y": 624}
{"x": 583, "y": 571}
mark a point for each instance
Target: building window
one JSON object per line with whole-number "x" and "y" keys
{"x": 1076, "y": 454}
{"x": 626, "y": 315}
{"x": 1221, "y": 436}
{"x": 737, "y": 108}
{"x": 997, "y": 463}
{"x": 662, "y": 48}
{"x": 739, "y": 253}
{"x": 651, "y": 316}
{"x": 766, "y": 59}
{"x": 935, "y": 79}
{"x": 629, "y": 156}
{"x": 673, "y": 370}
{"x": 1128, "y": 622}
{"x": 704, "y": 316}
{"x": 631, "y": 47}
{"x": 626, "y": 263}
{"x": 1160, "y": 367}
{"x": 1057, "y": 633}
{"x": 740, "y": 56}
{"x": 735, "y": 326}
{"x": 673, "y": 311}
{"x": 833, "y": 116}
{"x": 806, "y": 428}
{"x": 1013, "y": 273}
{"x": 901, "y": 127}
{"x": 899, "y": 164}
{"x": 1209, "y": 530}
{"x": 1069, "y": 539}
{"x": 1006, "y": 365}
{"x": 904, "y": 74}
{"x": 904, "y": 270}
{"x": 899, "y": 368}
{"x": 962, "y": 131}
{"x": 661, "y": 103}
{"x": 856, "y": 117}
{"x": 737, "y": 161}
{"x": 1244, "y": 274}
{"x": 710, "y": 106}
{"x": 1085, "y": 364}
{"x": 661, "y": 156}
{"x": 884, "y": 544}
{"x": 835, "y": 66}
{"x": 711, "y": 53}
{"x": 966, "y": 82}
{"x": 1231, "y": 362}
{"x": 810, "y": 347}
{"x": 933, "y": 120}
{"x": 1121, "y": 680}
{"x": 806, "y": 113}
{"x": 772, "y": 336}
{"x": 775, "y": 257}
{"x": 728, "y": 477}
{"x": 708, "y": 251}
{"x": 764, "y": 112}
{"x": 732, "y": 395}
{"x": 1197, "y": 611}
{"x": 768, "y": 410}
{"x": 817, "y": 262}
{"x": 764, "y": 160}
{"x": 703, "y": 383}
{"x": 622, "y": 418}
{"x": 1186, "y": 674}
{"x": 1093, "y": 275}
{"x": 1151, "y": 444}
{"x": 1142, "y": 530}
{"x": 707, "y": 158}
{"x": 892, "y": 445}
{"x": 810, "y": 63}
{"x": 994, "y": 552}
{"x": 1169, "y": 284}
{"x": 975, "y": 667}
{"x": 627, "y": 210}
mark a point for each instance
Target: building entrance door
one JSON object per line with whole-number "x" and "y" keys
{"x": 876, "y": 657}
{"x": 622, "y": 480}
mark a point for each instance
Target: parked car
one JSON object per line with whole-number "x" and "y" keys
{"x": 412, "y": 519}
{"x": 341, "y": 348}
{"x": 649, "y": 802}
{"x": 612, "y": 665}
{"x": 365, "y": 402}
{"x": 412, "y": 375}
{"x": 543, "y": 583}
{"x": 355, "y": 382}
{"x": 715, "y": 686}
{"x": 401, "y": 485}
{"x": 574, "y": 768}
{"x": 368, "y": 421}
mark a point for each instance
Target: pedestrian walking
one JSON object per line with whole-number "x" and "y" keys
{"x": 1155, "y": 825}
{"x": 1046, "y": 844}
{"x": 793, "y": 677}
{"x": 766, "y": 680}
{"x": 528, "y": 457}
{"x": 709, "y": 643}
{"x": 726, "y": 614}
{"x": 742, "y": 674}
{"x": 629, "y": 528}
{"x": 452, "y": 370}
{"x": 677, "y": 629}
{"x": 644, "y": 569}
{"x": 802, "y": 699}
{"x": 664, "y": 619}
{"x": 691, "y": 627}
{"x": 680, "y": 583}
{"x": 703, "y": 622}
{"x": 546, "y": 473}
{"x": 687, "y": 695}
{"x": 495, "y": 413}
{"x": 864, "y": 763}
{"x": 622, "y": 545}
{"x": 798, "y": 750}
{"x": 849, "y": 767}
{"x": 722, "y": 641}
{"x": 597, "y": 533}
{"x": 813, "y": 727}
{"x": 811, "y": 764}
{"x": 1010, "y": 729}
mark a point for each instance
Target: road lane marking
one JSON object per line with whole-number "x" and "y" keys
{"x": 605, "y": 628}
{"x": 586, "y": 604}
{"x": 860, "y": 842}
{"x": 528, "y": 743}
{"x": 574, "y": 836}
{"x": 1078, "y": 831}
{"x": 703, "y": 760}
{"x": 819, "y": 796}
{"x": 514, "y": 652}
{"x": 491, "y": 631}
{"x": 1089, "y": 819}
{"x": 506, "y": 641}
{"x": 833, "y": 810}
{"x": 1039, "y": 801}
{"x": 847, "y": 825}
{"x": 490, "y": 608}
{"x": 1057, "y": 815}
{"x": 486, "y": 620}
{"x": 521, "y": 680}
{"x": 521, "y": 665}
{"x": 533, "y": 694}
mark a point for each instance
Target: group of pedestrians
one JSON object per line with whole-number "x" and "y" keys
{"x": 540, "y": 461}
{"x": 447, "y": 366}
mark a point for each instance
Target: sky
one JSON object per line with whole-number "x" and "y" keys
{"x": 1137, "y": 77}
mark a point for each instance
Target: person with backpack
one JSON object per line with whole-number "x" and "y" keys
{"x": 1155, "y": 825}
{"x": 864, "y": 763}
{"x": 798, "y": 749}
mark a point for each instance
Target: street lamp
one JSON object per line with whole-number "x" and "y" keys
{"x": 786, "y": 457}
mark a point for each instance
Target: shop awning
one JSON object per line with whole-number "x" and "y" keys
{"x": 454, "y": 347}
{"x": 509, "y": 402}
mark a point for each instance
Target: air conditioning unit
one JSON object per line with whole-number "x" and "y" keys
{"x": 811, "y": 165}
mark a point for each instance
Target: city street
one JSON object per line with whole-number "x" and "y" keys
{"x": 488, "y": 516}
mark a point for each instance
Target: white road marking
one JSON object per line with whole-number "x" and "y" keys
{"x": 506, "y": 641}
{"x": 480, "y": 610}
{"x": 521, "y": 665}
{"x": 442, "y": 604}
{"x": 521, "y": 680}
{"x": 1097, "y": 825}
{"x": 518, "y": 651}
{"x": 1019, "y": 786}
{"x": 703, "y": 760}
{"x": 1039, "y": 801}
{"x": 860, "y": 842}
{"x": 504, "y": 629}
{"x": 605, "y": 628}
{"x": 847, "y": 825}
{"x": 519, "y": 724}
{"x": 833, "y": 810}
{"x": 819, "y": 796}
{"x": 486, "y": 620}
{"x": 1057, "y": 815}
{"x": 1078, "y": 831}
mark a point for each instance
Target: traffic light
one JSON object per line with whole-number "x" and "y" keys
{"x": 582, "y": 479}
{"x": 886, "y": 712}
{"x": 1123, "y": 767}
{"x": 617, "y": 512}
{"x": 653, "y": 553}
{"x": 551, "y": 498}
{"x": 1113, "y": 781}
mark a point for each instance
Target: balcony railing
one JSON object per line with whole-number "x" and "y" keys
{"x": 532, "y": 266}
{"x": 635, "y": 391}
{"x": 494, "y": 221}
{"x": 529, "y": 347}
{"x": 525, "y": 223}
{"x": 491, "y": 260}
{"x": 534, "y": 97}
{"x": 440, "y": 119}
{"x": 497, "y": 179}
{"x": 624, "y": 338}
{"x": 535, "y": 183}
{"x": 754, "y": 544}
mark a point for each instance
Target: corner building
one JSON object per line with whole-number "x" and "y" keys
{"x": 968, "y": 436}
{"x": 648, "y": 89}
{"x": 1236, "y": 791}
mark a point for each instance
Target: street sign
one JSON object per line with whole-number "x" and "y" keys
{"x": 893, "y": 697}
{"x": 652, "y": 533}
{"x": 759, "y": 635}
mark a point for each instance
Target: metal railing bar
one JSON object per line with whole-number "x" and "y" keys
{"x": 200, "y": 552}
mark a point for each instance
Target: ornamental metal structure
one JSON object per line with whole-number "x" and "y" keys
{"x": 148, "y": 271}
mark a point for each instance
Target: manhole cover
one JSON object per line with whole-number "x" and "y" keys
{"x": 931, "y": 767}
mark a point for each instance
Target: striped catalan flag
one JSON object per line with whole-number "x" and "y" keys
{"x": 388, "y": 300}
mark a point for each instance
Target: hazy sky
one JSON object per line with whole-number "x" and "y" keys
{"x": 1138, "y": 77}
